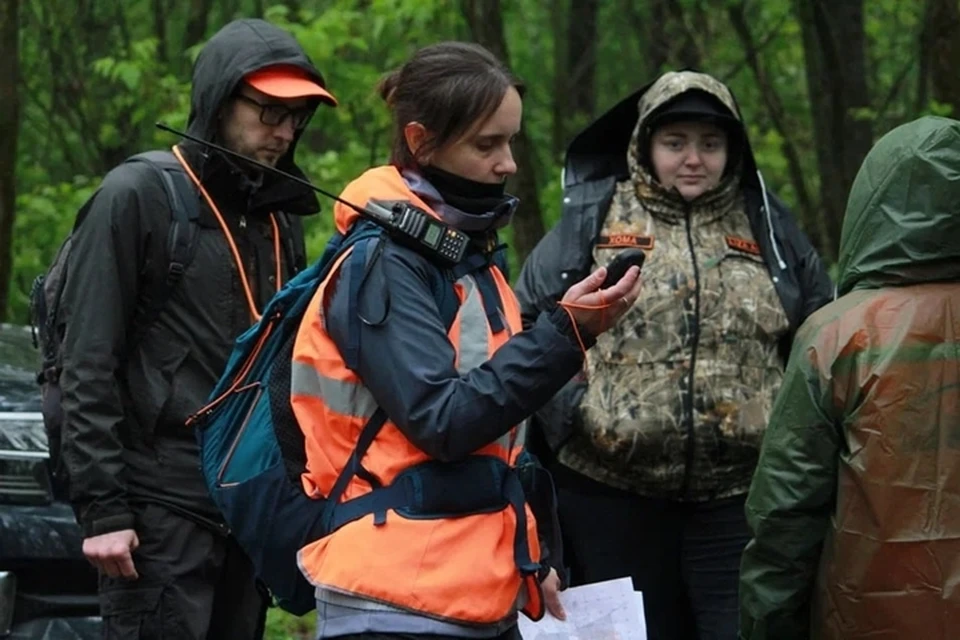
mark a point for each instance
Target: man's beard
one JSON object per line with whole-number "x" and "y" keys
{"x": 270, "y": 157}
{"x": 266, "y": 155}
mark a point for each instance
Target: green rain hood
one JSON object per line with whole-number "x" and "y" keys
{"x": 903, "y": 218}
{"x": 855, "y": 504}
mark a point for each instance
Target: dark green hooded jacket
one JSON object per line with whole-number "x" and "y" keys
{"x": 855, "y": 505}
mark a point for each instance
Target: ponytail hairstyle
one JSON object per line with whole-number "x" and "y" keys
{"x": 447, "y": 88}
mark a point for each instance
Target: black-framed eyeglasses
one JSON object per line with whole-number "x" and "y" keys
{"x": 274, "y": 114}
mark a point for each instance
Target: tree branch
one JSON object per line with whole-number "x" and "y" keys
{"x": 53, "y": 126}
{"x": 761, "y": 46}
{"x": 945, "y": 53}
{"x": 65, "y": 89}
{"x": 690, "y": 54}
{"x": 486, "y": 24}
{"x": 895, "y": 87}
{"x": 774, "y": 107}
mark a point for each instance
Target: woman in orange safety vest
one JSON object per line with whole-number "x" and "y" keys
{"x": 412, "y": 380}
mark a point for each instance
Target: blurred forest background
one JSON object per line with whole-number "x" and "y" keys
{"x": 83, "y": 81}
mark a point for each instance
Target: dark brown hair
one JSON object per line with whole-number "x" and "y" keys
{"x": 446, "y": 87}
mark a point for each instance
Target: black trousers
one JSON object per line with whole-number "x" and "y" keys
{"x": 684, "y": 557}
{"x": 193, "y": 584}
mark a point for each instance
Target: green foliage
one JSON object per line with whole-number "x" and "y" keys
{"x": 353, "y": 52}
{"x": 935, "y": 108}
{"x": 44, "y": 218}
{"x": 98, "y": 74}
{"x": 283, "y": 626}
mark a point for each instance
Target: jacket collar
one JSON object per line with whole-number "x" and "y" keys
{"x": 238, "y": 192}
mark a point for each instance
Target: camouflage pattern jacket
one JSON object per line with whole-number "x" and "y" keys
{"x": 674, "y": 401}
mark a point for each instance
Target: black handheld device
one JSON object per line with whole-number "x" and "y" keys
{"x": 405, "y": 223}
{"x": 620, "y": 264}
{"x": 419, "y": 230}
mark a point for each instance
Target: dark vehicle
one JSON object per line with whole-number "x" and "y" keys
{"x": 48, "y": 590}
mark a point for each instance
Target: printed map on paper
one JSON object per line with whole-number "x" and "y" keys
{"x": 609, "y": 610}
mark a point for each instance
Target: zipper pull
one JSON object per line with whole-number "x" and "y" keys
{"x": 243, "y": 222}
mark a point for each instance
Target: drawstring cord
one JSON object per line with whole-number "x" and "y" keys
{"x": 766, "y": 210}
{"x": 254, "y": 313}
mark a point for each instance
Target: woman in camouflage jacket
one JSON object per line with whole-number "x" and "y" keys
{"x": 653, "y": 448}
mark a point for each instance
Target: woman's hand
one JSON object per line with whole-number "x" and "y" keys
{"x": 551, "y": 595}
{"x": 596, "y": 309}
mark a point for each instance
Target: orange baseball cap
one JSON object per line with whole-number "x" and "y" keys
{"x": 288, "y": 81}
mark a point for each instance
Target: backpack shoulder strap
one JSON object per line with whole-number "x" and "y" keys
{"x": 441, "y": 283}
{"x": 184, "y": 228}
{"x": 500, "y": 260}
{"x": 366, "y": 238}
{"x": 363, "y": 237}
{"x": 478, "y": 265}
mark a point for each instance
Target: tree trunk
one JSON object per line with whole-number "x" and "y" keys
{"x": 486, "y": 25}
{"x": 582, "y": 59}
{"x": 943, "y": 30}
{"x": 9, "y": 124}
{"x": 923, "y": 72}
{"x": 658, "y": 41}
{"x": 777, "y": 115}
{"x": 689, "y": 55}
{"x": 197, "y": 22}
{"x": 834, "y": 46}
{"x": 560, "y": 74}
{"x": 160, "y": 29}
{"x": 228, "y": 10}
{"x": 653, "y": 40}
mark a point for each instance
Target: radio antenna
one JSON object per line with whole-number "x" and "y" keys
{"x": 408, "y": 224}
{"x": 267, "y": 167}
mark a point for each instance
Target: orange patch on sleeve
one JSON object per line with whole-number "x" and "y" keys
{"x": 743, "y": 245}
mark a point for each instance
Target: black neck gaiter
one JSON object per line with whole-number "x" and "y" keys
{"x": 469, "y": 196}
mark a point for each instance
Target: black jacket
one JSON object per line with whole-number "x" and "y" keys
{"x": 125, "y": 401}
{"x": 596, "y": 160}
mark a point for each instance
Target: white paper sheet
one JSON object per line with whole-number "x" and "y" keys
{"x": 609, "y": 610}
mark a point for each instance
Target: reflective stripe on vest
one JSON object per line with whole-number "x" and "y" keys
{"x": 353, "y": 399}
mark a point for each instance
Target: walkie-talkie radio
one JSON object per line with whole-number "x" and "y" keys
{"x": 404, "y": 222}
{"x": 420, "y": 231}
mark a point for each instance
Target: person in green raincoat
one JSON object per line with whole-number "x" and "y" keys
{"x": 855, "y": 505}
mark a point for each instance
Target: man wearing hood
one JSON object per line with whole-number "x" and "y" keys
{"x": 168, "y": 568}
{"x": 654, "y": 445}
{"x": 853, "y": 508}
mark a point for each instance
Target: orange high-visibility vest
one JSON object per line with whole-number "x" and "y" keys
{"x": 461, "y": 569}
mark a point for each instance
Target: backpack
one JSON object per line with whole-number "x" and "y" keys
{"x": 47, "y": 289}
{"x": 252, "y": 450}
